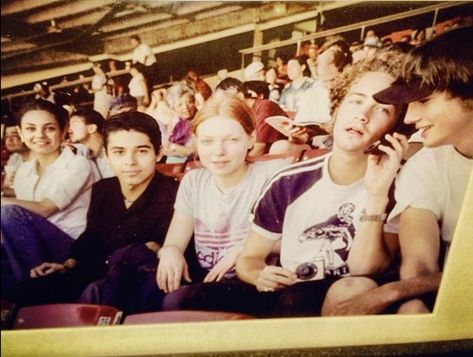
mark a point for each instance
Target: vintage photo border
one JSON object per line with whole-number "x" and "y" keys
{"x": 452, "y": 319}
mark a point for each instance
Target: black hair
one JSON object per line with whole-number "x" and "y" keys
{"x": 136, "y": 121}
{"x": 124, "y": 100}
{"x": 62, "y": 98}
{"x": 259, "y": 87}
{"x": 342, "y": 56}
{"x": 136, "y": 37}
{"x": 90, "y": 116}
{"x": 230, "y": 82}
{"x": 60, "y": 114}
{"x": 282, "y": 56}
{"x": 444, "y": 63}
{"x": 9, "y": 120}
{"x": 302, "y": 59}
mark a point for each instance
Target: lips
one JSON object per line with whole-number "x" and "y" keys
{"x": 423, "y": 130}
{"x": 130, "y": 173}
{"x": 354, "y": 130}
{"x": 220, "y": 163}
{"x": 41, "y": 143}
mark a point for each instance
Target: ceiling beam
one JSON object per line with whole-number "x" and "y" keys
{"x": 68, "y": 9}
{"x": 25, "y": 6}
{"x": 84, "y": 19}
{"x": 134, "y": 20}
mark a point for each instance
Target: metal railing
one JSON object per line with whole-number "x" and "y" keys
{"x": 351, "y": 27}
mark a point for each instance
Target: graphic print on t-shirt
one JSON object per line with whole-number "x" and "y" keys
{"x": 337, "y": 234}
{"x": 212, "y": 244}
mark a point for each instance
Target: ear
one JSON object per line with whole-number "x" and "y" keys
{"x": 160, "y": 155}
{"x": 252, "y": 140}
{"x": 194, "y": 140}
{"x": 91, "y": 128}
{"x": 65, "y": 132}
{"x": 20, "y": 133}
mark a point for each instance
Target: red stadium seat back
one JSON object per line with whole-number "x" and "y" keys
{"x": 175, "y": 170}
{"x": 310, "y": 154}
{"x": 8, "y": 311}
{"x": 183, "y": 316}
{"x": 290, "y": 157}
{"x": 66, "y": 315}
{"x": 193, "y": 164}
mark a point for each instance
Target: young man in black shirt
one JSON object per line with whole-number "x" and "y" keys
{"x": 129, "y": 214}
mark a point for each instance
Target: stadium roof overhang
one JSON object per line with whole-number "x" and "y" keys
{"x": 46, "y": 35}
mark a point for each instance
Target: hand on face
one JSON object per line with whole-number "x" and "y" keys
{"x": 382, "y": 169}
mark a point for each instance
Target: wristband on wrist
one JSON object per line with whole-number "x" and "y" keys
{"x": 372, "y": 217}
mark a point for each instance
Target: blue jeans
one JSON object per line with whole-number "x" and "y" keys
{"x": 30, "y": 239}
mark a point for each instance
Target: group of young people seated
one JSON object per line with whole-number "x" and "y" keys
{"x": 352, "y": 231}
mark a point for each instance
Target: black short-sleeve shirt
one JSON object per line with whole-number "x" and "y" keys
{"x": 110, "y": 225}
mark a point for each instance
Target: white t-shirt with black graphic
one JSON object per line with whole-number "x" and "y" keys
{"x": 315, "y": 218}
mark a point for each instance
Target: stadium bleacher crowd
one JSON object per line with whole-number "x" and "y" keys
{"x": 327, "y": 184}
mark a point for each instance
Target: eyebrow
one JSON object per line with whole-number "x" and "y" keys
{"x": 45, "y": 124}
{"x": 218, "y": 136}
{"x": 357, "y": 93}
{"x": 134, "y": 147}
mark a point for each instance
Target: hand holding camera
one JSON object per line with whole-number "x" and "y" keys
{"x": 312, "y": 270}
{"x": 273, "y": 278}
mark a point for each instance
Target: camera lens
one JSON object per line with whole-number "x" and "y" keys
{"x": 306, "y": 271}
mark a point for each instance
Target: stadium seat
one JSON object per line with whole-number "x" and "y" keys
{"x": 65, "y": 315}
{"x": 175, "y": 170}
{"x": 183, "y": 316}
{"x": 290, "y": 157}
{"x": 8, "y": 311}
{"x": 193, "y": 164}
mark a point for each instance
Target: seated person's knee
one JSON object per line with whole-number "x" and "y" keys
{"x": 415, "y": 306}
{"x": 345, "y": 289}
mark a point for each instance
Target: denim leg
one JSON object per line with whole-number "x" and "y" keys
{"x": 30, "y": 239}
{"x": 175, "y": 299}
{"x": 7, "y": 278}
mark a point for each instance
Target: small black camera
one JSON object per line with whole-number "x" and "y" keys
{"x": 310, "y": 271}
{"x": 306, "y": 271}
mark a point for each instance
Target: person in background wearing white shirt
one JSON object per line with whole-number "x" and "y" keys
{"x": 138, "y": 87}
{"x": 102, "y": 98}
{"x": 314, "y": 103}
{"x": 42, "y": 91}
{"x": 300, "y": 80}
{"x": 19, "y": 154}
{"x": 85, "y": 131}
{"x": 52, "y": 193}
{"x": 144, "y": 56}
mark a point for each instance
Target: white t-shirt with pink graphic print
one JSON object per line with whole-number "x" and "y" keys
{"x": 221, "y": 220}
